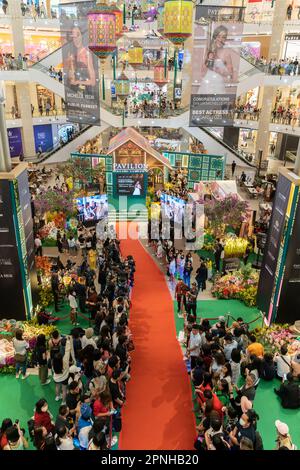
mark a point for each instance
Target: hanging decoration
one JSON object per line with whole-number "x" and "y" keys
{"x": 135, "y": 54}
{"x": 119, "y": 20}
{"x": 178, "y": 20}
{"x": 159, "y": 74}
{"x": 122, "y": 85}
{"x": 102, "y": 34}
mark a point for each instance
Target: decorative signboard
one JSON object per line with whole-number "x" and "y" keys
{"x": 200, "y": 167}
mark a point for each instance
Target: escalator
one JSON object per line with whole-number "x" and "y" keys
{"x": 216, "y": 146}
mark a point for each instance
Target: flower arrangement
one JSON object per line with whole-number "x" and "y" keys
{"x": 230, "y": 210}
{"x": 241, "y": 285}
{"x": 235, "y": 247}
{"x": 43, "y": 264}
{"x": 45, "y": 296}
{"x": 275, "y": 336}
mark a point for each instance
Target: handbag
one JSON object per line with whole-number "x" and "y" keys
{"x": 20, "y": 357}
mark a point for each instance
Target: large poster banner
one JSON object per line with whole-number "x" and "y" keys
{"x": 81, "y": 72}
{"x": 15, "y": 141}
{"x": 272, "y": 249}
{"x": 216, "y": 58}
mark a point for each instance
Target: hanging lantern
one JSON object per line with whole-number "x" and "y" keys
{"x": 159, "y": 75}
{"x": 102, "y": 30}
{"x": 135, "y": 54}
{"x": 119, "y": 20}
{"x": 122, "y": 85}
{"x": 178, "y": 20}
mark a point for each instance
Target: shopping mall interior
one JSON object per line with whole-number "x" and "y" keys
{"x": 150, "y": 225}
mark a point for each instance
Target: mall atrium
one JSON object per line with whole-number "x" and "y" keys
{"x": 150, "y": 225}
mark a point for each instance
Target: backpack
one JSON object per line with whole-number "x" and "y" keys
{"x": 55, "y": 350}
{"x": 117, "y": 422}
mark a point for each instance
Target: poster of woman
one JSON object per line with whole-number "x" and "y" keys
{"x": 80, "y": 65}
{"x": 215, "y": 70}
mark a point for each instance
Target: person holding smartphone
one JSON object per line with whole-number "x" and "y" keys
{"x": 15, "y": 438}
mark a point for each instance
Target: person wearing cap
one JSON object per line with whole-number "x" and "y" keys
{"x": 88, "y": 338}
{"x": 194, "y": 345}
{"x": 283, "y": 437}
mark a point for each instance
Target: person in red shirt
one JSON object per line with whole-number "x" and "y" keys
{"x": 206, "y": 385}
{"x": 212, "y": 403}
{"x": 102, "y": 406}
{"x": 42, "y": 416}
{"x": 180, "y": 293}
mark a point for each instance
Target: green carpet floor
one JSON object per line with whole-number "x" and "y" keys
{"x": 266, "y": 403}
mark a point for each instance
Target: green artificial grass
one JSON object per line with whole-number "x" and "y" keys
{"x": 266, "y": 403}
{"x": 18, "y": 397}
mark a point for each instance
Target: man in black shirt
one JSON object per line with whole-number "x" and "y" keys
{"x": 63, "y": 419}
{"x": 73, "y": 398}
{"x": 114, "y": 387}
{"x": 289, "y": 392}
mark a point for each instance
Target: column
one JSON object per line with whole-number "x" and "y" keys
{"x": 24, "y": 103}
{"x": 279, "y": 16}
{"x": 17, "y": 27}
{"x": 5, "y": 161}
{"x": 263, "y": 134}
{"x": 297, "y": 162}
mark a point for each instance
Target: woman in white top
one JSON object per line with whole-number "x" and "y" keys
{"x": 73, "y": 306}
{"x": 63, "y": 440}
{"x": 283, "y": 362}
{"x": 72, "y": 246}
{"x": 20, "y": 347}
{"x": 60, "y": 366}
{"x": 15, "y": 438}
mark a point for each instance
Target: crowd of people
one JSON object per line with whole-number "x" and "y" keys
{"x": 33, "y": 10}
{"x": 247, "y": 111}
{"x": 90, "y": 368}
{"x": 285, "y": 115}
{"x": 219, "y": 356}
{"x": 288, "y": 66}
{"x": 9, "y": 62}
{"x": 149, "y": 108}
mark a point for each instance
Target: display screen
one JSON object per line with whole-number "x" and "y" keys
{"x": 92, "y": 208}
{"x": 130, "y": 184}
{"x": 172, "y": 207}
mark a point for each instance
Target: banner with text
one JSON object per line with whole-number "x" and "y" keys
{"x": 81, "y": 72}
{"x": 216, "y": 58}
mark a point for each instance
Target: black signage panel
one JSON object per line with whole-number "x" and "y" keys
{"x": 269, "y": 264}
{"x": 289, "y": 301}
{"x": 11, "y": 289}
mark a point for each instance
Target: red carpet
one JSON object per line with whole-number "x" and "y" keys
{"x": 158, "y": 412}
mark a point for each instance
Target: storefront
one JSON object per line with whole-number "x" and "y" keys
{"x": 291, "y": 46}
